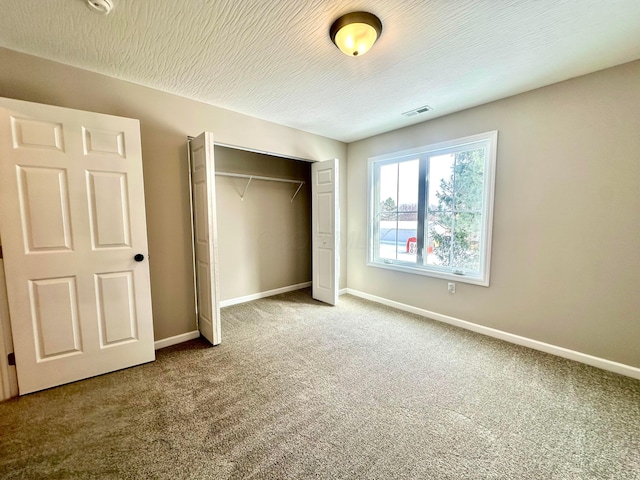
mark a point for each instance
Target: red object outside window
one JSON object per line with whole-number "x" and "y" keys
{"x": 412, "y": 245}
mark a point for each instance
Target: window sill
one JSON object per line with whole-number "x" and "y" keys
{"x": 483, "y": 282}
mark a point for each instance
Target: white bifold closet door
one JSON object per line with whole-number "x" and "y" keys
{"x": 325, "y": 221}
{"x": 203, "y": 189}
{"x": 73, "y": 228}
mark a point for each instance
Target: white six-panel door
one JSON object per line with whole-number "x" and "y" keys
{"x": 72, "y": 219}
{"x": 203, "y": 187}
{"x": 325, "y": 220}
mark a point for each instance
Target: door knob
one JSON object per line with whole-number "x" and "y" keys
{"x": 139, "y": 257}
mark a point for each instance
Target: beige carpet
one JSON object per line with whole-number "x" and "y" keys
{"x": 302, "y": 390}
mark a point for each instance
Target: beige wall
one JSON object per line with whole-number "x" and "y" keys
{"x": 263, "y": 240}
{"x": 566, "y": 237}
{"x": 166, "y": 120}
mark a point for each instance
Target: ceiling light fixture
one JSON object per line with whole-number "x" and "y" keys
{"x": 355, "y": 33}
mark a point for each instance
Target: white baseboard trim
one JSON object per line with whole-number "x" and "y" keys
{"x": 183, "y": 337}
{"x": 268, "y": 293}
{"x": 344, "y": 291}
{"x": 585, "y": 358}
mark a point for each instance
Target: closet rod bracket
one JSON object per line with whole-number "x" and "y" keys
{"x": 245, "y": 188}
{"x": 296, "y": 194}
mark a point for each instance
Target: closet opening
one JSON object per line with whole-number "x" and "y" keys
{"x": 263, "y": 209}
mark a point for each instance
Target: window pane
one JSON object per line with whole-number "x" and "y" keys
{"x": 408, "y": 210}
{"x": 408, "y": 186}
{"x": 388, "y": 190}
{"x": 398, "y": 211}
{"x": 467, "y": 233}
{"x": 469, "y": 180}
{"x": 438, "y": 244}
{"x": 441, "y": 182}
{"x": 397, "y": 239}
{"x": 388, "y": 236}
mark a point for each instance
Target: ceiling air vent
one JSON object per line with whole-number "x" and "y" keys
{"x": 417, "y": 111}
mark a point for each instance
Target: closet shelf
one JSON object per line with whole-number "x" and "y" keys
{"x": 300, "y": 183}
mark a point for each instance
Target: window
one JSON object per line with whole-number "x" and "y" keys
{"x": 431, "y": 209}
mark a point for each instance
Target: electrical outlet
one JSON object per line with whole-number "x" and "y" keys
{"x": 451, "y": 287}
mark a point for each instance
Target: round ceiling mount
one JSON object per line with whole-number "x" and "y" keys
{"x": 355, "y": 33}
{"x": 100, "y": 6}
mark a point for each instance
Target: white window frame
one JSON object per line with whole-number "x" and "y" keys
{"x": 491, "y": 139}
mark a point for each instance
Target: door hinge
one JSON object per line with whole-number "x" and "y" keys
{"x": 11, "y": 358}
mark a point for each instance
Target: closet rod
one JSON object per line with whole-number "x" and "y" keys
{"x": 258, "y": 177}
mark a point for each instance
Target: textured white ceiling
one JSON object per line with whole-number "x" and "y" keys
{"x": 274, "y": 59}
